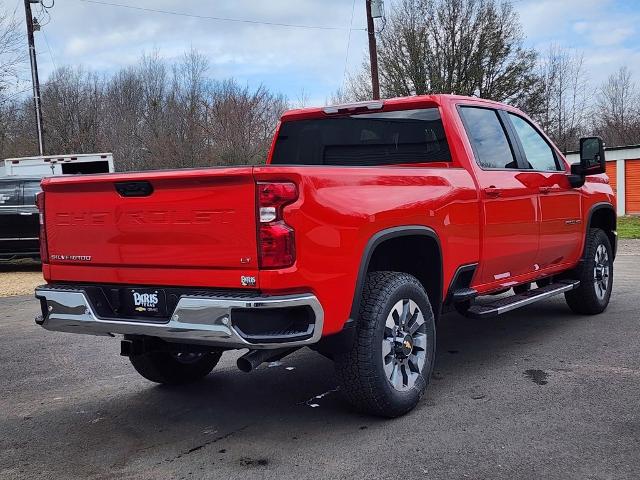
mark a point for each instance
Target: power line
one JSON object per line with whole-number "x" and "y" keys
{"x": 346, "y": 57}
{"x": 46, "y": 40}
{"x": 222, "y": 19}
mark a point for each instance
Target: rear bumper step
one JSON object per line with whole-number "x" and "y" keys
{"x": 503, "y": 305}
{"x": 206, "y": 320}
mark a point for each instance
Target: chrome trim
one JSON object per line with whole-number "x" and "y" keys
{"x": 196, "y": 319}
{"x": 18, "y": 239}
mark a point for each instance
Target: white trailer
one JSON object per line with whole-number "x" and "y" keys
{"x": 52, "y": 165}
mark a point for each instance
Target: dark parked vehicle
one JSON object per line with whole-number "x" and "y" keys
{"x": 19, "y": 224}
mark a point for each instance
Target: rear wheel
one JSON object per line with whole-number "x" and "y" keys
{"x": 387, "y": 371}
{"x": 174, "y": 368}
{"x": 595, "y": 275}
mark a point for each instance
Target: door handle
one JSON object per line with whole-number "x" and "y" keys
{"x": 492, "y": 192}
{"x": 545, "y": 190}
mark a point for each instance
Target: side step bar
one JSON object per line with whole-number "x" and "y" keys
{"x": 503, "y": 305}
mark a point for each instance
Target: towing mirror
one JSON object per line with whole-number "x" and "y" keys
{"x": 592, "y": 161}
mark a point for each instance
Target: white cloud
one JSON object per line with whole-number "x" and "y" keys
{"x": 108, "y": 38}
{"x": 603, "y": 30}
{"x": 288, "y": 59}
{"x": 549, "y": 18}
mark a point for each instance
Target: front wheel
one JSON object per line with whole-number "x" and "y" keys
{"x": 595, "y": 275}
{"x": 387, "y": 371}
{"x": 174, "y": 368}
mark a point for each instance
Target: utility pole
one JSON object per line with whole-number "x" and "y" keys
{"x": 373, "y": 53}
{"x": 34, "y": 72}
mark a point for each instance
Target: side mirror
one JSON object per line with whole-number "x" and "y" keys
{"x": 592, "y": 161}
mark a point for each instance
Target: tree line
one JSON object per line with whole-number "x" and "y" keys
{"x": 160, "y": 114}
{"x": 153, "y": 115}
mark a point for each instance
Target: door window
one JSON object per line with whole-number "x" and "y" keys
{"x": 29, "y": 193}
{"x": 9, "y": 194}
{"x": 488, "y": 138}
{"x": 538, "y": 152}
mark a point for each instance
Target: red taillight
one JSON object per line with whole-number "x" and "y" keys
{"x": 277, "y": 239}
{"x": 44, "y": 251}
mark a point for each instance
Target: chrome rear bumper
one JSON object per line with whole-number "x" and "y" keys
{"x": 195, "y": 319}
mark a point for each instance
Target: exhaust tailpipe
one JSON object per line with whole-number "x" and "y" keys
{"x": 254, "y": 358}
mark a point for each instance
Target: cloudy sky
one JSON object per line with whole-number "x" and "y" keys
{"x": 298, "y": 61}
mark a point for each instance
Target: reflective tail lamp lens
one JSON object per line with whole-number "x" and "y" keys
{"x": 276, "y": 239}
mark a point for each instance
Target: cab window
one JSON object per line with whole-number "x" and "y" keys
{"x": 29, "y": 193}
{"x": 9, "y": 194}
{"x": 488, "y": 138}
{"x": 366, "y": 139}
{"x": 538, "y": 153}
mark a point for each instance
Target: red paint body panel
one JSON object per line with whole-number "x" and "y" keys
{"x": 340, "y": 209}
{"x": 190, "y": 221}
{"x": 198, "y": 228}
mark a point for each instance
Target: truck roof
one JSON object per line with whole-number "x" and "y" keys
{"x": 417, "y": 101}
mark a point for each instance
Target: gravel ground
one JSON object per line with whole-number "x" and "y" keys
{"x": 19, "y": 278}
{"x": 629, "y": 247}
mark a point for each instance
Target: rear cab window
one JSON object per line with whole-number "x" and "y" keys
{"x": 371, "y": 139}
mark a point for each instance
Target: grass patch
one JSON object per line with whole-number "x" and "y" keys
{"x": 629, "y": 227}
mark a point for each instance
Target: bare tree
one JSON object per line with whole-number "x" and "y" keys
{"x": 242, "y": 122}
{"x": 302, "y": 99}
{"x": 72, "y": 107}
{"x": 12, "y": 50}
{"x": 563, "y": 105}
{"x": 617, "y": 109}
{"x": 122, "y": 115}
{"x": 186, "y": 109}
{"x": 468, "y": 47}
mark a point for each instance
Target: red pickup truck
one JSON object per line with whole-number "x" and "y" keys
{"x": 369, "y": 221}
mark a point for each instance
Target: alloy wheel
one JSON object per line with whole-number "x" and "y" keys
{"x": 404, "y": 345}
{"x": 601, "y": 272}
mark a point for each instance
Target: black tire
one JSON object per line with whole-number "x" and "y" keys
{"x": 170, "y": 369}
{"x": 462, "y": 307}
{"x": 518, "y": 289}
{"x": 362, "y": 373}
{"x": 590, "y": 298}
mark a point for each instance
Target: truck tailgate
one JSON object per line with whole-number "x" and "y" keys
{"x": 189, "y": 219}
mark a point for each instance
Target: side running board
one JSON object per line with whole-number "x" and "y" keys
{"x": 503, "y": 305}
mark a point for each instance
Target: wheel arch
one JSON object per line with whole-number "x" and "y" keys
{"x": 603, "y": 216}
{"x": 410, "y": 260}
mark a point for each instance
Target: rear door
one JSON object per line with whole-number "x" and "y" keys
{"x": 9, "y": 220}
{"x": 560, "y": 206}
{"x": 509, "y": 203}
{"x": 28, "y": 224}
